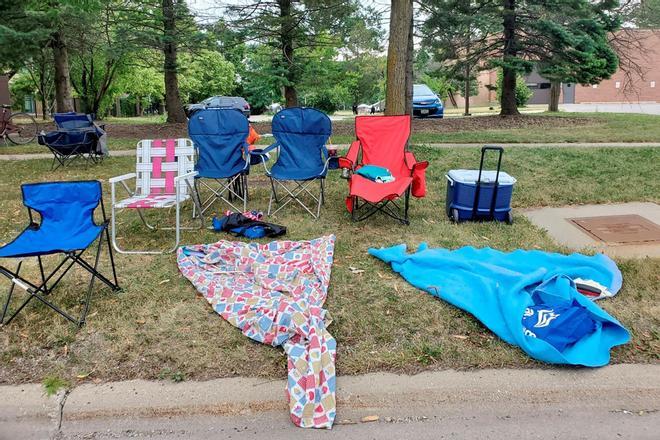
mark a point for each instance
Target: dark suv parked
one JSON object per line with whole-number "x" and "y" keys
{"x": 221, "y": 102}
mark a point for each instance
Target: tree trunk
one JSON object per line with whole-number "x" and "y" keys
{"x": 63, "y": 100}
{"x": 409, "y": 66}
{"x": 396, "y": 97}
{"x": 555, "y": 90}
{"x": 43, "y": 91}
{"x": 286, "y": 41}
{"x": 173, "y": 104}
{"x": 44, "y": 108}
{"x": 509, "y": 104}
{"x": 466, "y": 93}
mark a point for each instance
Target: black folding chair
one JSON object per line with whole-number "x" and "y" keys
{"x": 67, "y": 227}
{"x": 76, "y": 137}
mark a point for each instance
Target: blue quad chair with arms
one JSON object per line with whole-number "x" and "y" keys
{"x": 223, "y": 161}
{"x": 300, "y": 136}
{"x": 67, "y": 228}
{"x": 76, "y": 137}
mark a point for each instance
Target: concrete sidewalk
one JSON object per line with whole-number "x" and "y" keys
{"x": 124, "y": 153}
{"x": 620, "y": 401}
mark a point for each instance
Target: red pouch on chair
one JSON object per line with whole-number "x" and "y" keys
{"x": 349, "y": 204}
{"x": 419, "y": 179}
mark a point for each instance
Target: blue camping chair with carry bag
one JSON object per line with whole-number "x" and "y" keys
{"x": 77, "y": 136}
{"x": 220, "y": 138}
{"x": 300, "y": 136}
{"x": 66, "y": 227}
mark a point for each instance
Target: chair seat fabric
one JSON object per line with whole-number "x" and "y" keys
{"x": 66, "y": 210}
{"x": 49, "y": 239}
{"x": 375, "y": 192}
{"x": 151, "y": 201}
{"x": 280, "y": 172}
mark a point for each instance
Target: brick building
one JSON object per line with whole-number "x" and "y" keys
{"x": 622, "y": 88}
{"x": 640, "y": 87}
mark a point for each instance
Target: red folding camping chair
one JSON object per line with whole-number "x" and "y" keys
{"x": 382, "y": 141}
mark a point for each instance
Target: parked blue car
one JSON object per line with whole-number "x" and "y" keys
{"x": 426, "y": 103}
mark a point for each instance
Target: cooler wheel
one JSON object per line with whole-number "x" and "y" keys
{"x": 509, "y": 218}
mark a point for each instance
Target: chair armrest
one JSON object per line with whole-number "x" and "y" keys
{"x": 349, "y": 161}
{"x": 269, "y": 148}
{"x": 420, "y": 165}
{"x": 121, "y": 178}
{"x": 185, "y": 176}
{"x": 345, "y": 163}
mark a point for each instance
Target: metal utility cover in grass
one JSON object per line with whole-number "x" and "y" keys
{"x": 620, "y": 229}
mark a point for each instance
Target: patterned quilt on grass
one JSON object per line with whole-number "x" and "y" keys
{"x": 274, "y": 293}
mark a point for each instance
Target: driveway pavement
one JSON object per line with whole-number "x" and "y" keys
{"x": 647, "y": 108}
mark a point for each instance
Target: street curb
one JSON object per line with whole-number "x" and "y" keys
{"x": 234, "y": 396}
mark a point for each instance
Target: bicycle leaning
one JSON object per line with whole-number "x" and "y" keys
{"x": 19, "y": 128}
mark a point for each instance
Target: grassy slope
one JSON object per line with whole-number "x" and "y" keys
{"x": 158, "y": 324}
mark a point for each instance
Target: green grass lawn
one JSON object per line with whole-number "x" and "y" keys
{"x": 157, "y": 326}
{"x": 609, "y": 127}
{"x": 606, "y": 127}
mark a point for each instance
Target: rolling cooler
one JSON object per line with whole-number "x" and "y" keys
{"x": 478, "y": 194}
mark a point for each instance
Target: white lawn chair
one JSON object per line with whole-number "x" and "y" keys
{"x": 164, "y": 178}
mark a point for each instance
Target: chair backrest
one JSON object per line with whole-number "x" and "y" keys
{"x": 73, "y": 121}
{"x": 302, "y": 134}
{"x": 159, "y": 161}
{"x": 220, "y": 137}
{"x": 67, "y": 205}
{"x": 383, "y": 140}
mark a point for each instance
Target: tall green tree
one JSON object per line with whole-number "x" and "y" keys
{"x": 460, "y": 37}
{"x": 588, "y": 59}
{"x": 97, "y": 54}
{"x": 28, "y": 26}
{"x": 646, "y": 14}
{"x": 22, "y": 34}
{"x": 167, "y": 26}
{"x": 398, "y": 97}
{"x": 288, "y": 27}
{"x": 515, "y": 35}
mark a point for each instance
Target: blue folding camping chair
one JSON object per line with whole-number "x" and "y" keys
{"x": 67, "y": 227}
{"x": 76, "y": 137}
{"x": 300, "y": 136}
{"x": 223, "y": 162}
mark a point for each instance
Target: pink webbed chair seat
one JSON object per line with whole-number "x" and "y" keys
{"x": 164, "y": 178}
{"x": 158, "y": 163}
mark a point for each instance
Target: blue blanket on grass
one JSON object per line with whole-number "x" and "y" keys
{"x": 511, "y": 293}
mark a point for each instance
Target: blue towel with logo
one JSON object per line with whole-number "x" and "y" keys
{"x": 376, "y": 173}
{"x": 527, "y": 298}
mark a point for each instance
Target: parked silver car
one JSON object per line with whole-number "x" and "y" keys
{"x": 221, "y": 102}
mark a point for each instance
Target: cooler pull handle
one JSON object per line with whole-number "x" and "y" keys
{"x": 475, "y": 206}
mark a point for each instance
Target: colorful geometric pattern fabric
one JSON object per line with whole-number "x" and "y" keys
{"x": 159, "y": 161}
{"x": 274, "y": 293}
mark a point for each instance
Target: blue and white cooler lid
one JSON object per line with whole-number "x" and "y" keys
{"x": 470, "y": 177}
